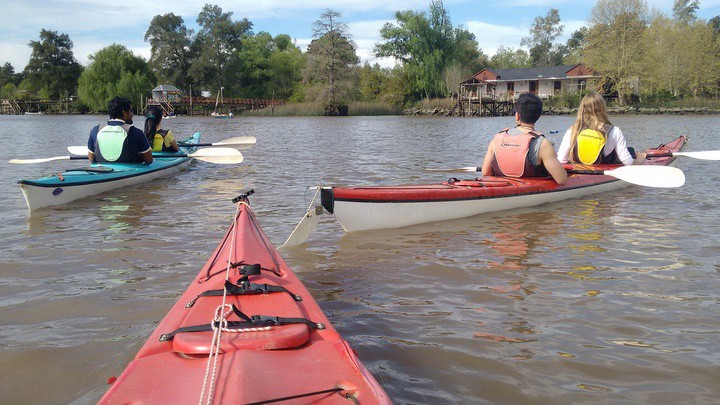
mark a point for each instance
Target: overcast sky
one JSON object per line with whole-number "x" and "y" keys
{"x": 94, "y": 24}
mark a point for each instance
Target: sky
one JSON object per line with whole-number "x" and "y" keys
{"x": 95, "y": 24}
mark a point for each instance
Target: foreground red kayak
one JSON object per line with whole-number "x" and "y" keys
{"x": 365, "y": 208}
{"x": 273, "y": 342}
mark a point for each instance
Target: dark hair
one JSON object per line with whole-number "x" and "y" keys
{"x": 529, "y": 107}
{"x": 116, "y": 107}
{"x": 153, "y": 116}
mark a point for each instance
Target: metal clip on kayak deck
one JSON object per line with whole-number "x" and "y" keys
{"x": 243, "y": 196}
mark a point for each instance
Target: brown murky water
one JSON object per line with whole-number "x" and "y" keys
{"x": 607, "y": 299}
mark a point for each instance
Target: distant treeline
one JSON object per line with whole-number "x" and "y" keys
{"x": 642, "y": 55}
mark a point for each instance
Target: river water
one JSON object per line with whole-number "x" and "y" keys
{"x": 611, "y": 298}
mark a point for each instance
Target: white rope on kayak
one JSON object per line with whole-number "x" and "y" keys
{"x": 221, "y": 320}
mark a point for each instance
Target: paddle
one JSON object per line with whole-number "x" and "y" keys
{"x": 237, "y": 141}
{"x": 240, "y": 141}
{"x": 642, "y": 175}
{"x": 704, "y": 154}
{"x": 223, "y": 156}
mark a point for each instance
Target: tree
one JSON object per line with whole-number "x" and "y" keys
{"x": 171, "y": 55}
{"x": 684, "y": 10}
{"x": 52, "y": 71}
{"x": 7, "y": 74}
{"x": 508, "y": 58}
{"x": 715, "y": 23}
{"x": 544, "y": 31}
{"x": 574, "y": 47}
{"x": 330, "y": 57}
{"x": 216, "y": 44}
{"x": 613, "y": 45}
{"x": 427, "y": 44}
{"x": 114, "y": 71}
{"x": 285, "y": 66}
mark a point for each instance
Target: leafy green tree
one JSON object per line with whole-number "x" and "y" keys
{"x": 613, "y": 45}
{"x": 171, "y": 55}
{"x": 330, "y": 58}
{"x": 7, "y": 74}
{"x": 8, "y": 90}
{"x": 372, "y": 82}
{"x": 574, "y": 47}
{"x": 684, "y": 11}
{"x": 426, "y": 44}
{"x": 217, "y": 42}
{"x": 114, "y": 71}
{"x": 52, "y": 69}
{"x": 715, "y": 23}
{"x": 286, "y": 64}
{"x": 509, "y": 58}
{"x": 543, "y": 33}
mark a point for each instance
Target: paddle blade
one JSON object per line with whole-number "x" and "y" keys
{"x": 42, "y": 160}
{"x": 459, "y": 169}
{"x": 240, "y": 140}
{"x": 649, "y": 176}
{"x": 223, "y": 156}
{"x": 704, "y": 155}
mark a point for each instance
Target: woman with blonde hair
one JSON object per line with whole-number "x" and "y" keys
{"x": 593, "y": 139}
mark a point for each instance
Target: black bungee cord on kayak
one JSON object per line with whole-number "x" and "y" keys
{"x": 337, "y": 390}
{"x": 245, "y": 287}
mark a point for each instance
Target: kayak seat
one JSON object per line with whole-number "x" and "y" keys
{"x": 277, "y": 337}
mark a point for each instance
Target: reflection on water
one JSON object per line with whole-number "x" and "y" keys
{"x": 610, "y": 298}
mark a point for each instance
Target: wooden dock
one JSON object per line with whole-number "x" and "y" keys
{"x": 206, "y": 105}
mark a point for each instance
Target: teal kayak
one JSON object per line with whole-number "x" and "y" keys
{"x": 70, "y": 185}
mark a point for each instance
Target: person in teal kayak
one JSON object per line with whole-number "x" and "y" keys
{"x": 592, "y": 139}
{"x": 521, "y": 151}
{"x": 161, "y": 140}
{"x": 119, "y": 141}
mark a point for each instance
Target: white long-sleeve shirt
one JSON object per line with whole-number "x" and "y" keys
{"x": 615, "y": 142}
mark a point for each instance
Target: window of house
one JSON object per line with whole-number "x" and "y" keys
{"x": 557, "y": 86}
{"x": 582, "y": 85}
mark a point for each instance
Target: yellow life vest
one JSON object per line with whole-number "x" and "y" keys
{"x": 589, "y": 146}
{"x": 157, "y": 143}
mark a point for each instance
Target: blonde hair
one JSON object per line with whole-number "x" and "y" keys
{"x": 591, "y": 115}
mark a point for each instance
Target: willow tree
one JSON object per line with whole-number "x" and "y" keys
{"x": 613, "y": 45}
{"x": 114, "y": 71}
{"x": 330, "y": 58}
{"x": 426, "y": 44}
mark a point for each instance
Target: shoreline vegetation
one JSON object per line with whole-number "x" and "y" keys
{"x": 444, "y": 108}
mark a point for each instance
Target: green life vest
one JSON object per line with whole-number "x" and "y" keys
{"x": 111, "y": 141}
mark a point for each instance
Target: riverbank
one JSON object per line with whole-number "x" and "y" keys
{"x": 630, "y": 110}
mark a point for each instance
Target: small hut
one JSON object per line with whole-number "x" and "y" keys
{"x": 166, "y": 92}
{"x": 165, "y": 95}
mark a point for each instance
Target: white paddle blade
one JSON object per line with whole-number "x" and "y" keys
{"x": 223, "y": 156}
{"x": 240, "y": 140}
{"x": 39, "y": 160}
{"x": 704, "y": 155}
{"x": 459, "y": 169}
{"x": 78, "y": 150}
{"x": 649, "y": 176}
